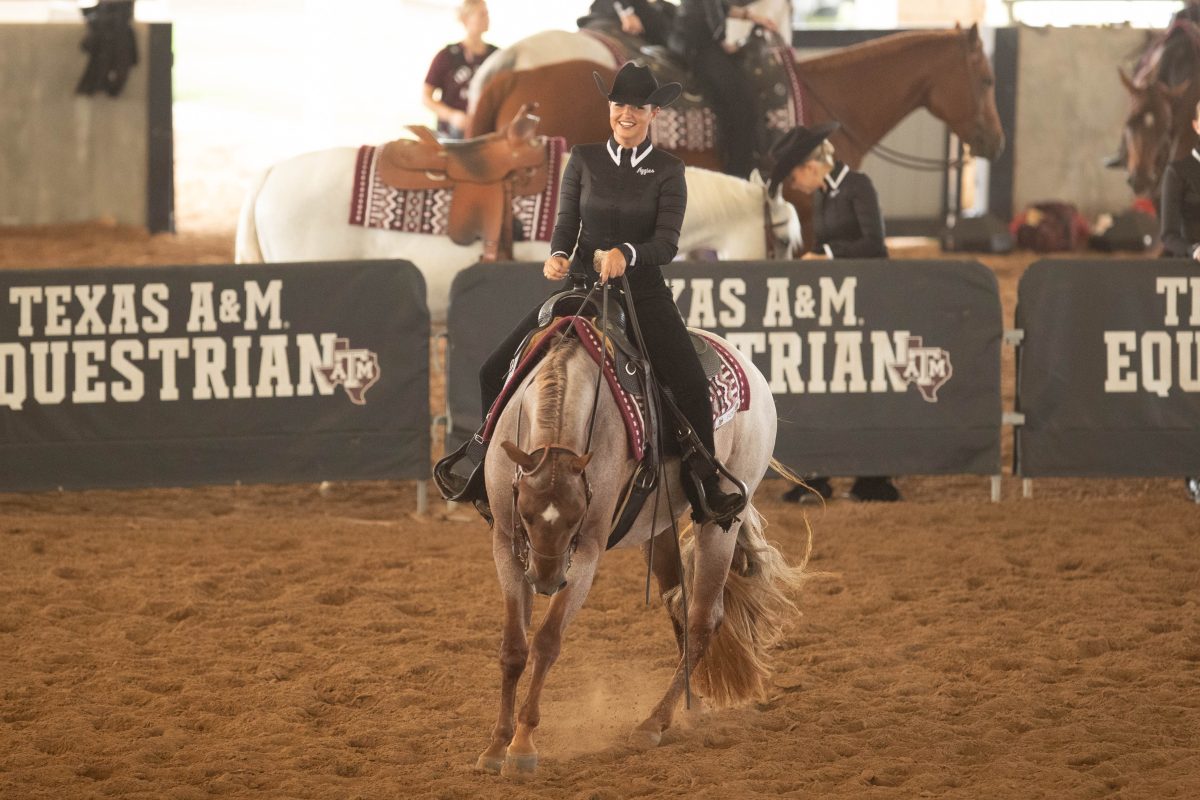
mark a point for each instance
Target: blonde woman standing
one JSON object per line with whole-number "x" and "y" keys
{"x": 453, "y": 67}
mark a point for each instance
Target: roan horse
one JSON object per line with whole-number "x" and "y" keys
{"x": 298, "y": 210}
{"x": 1163, "y": 96}
{"x": 554, "y": 498}
{"x": 869, "y": 88}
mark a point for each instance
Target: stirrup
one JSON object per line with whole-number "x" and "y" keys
{"x": 703, "y": 465}
{"x": 724, "y": 517}
{"x": 455, "y": 485}
{"x": 700, "y": 465}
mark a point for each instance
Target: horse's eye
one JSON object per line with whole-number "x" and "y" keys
{"x": 988, "y": 82}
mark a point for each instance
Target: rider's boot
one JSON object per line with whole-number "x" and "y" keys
{"x": 459, "y": 476}
{"x": 710, "y": 503}
{"x": 722, "y": 507}
{"x": 1118, "y": 159}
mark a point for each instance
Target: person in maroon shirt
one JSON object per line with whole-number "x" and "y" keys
{"x": 452, "y": 69}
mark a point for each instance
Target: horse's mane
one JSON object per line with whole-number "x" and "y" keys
{"x": 727, "y": 196}
{"x": 551, "y": 387}
{"x": 888, "y": 45}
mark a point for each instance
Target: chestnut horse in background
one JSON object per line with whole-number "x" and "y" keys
{"x": 1163, "y": 93}
{"x": 869, "y": 88}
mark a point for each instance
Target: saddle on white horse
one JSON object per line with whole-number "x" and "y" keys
{"x": 484, "y": 175}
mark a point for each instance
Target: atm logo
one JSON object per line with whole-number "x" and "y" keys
{"x": 355, "y": 370}
{"x": 927, "y": 367}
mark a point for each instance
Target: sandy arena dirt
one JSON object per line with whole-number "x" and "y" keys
{"x": 281, "y": 642}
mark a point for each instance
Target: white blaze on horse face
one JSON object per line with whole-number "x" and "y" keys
{"x": 550, "y": 514}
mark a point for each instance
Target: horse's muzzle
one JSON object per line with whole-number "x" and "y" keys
{"x": 547, "y": 587}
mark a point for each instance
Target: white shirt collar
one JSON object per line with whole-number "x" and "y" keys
{"x": 635, "y": 158}
{"x": 833, "y": 183}
{"x": 1195, "y": 154}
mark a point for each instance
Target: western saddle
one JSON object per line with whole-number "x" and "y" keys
{"x": 484, "y": 175}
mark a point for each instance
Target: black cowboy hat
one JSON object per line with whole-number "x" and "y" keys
{"x": 636, "y": 86}
{"x": 795, "y": 147}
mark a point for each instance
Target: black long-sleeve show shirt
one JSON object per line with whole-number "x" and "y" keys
{"x": 633, "y": 198}
{"x": 847, "y": 221}
{"x": 1181, "y": 206}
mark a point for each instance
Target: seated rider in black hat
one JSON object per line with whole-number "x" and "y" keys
{"x": 698, "y": 38}
{"x": 625, "y": 198}
{"x": 847, "y": 223}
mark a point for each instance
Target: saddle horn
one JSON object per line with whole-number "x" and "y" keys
{"x": 524, "y": 125}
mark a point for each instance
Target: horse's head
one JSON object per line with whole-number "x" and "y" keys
{"x": 1149, "y": 130}
{"x": 966, "y": 98}
{"x": 550, "y": 497}
{"x": 784, "y": 237}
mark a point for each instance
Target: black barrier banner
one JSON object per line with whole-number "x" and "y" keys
{"x": 1108, "y": 374}
{"x": 877, "y": 367}
{"x": 177, "y": 376}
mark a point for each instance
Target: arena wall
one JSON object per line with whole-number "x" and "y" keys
{"x": 1070, "y": 109}
{"x": 69, "y": 158}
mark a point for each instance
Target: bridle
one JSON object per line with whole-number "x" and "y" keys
{"x": 773, "y": 240}
{"x": 522, "y": 546}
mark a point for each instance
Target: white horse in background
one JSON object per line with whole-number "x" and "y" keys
{"x": 298, "y": 210}
{"x": 552, "y": 46}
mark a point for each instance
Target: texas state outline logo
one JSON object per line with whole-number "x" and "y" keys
{"x": 927, "y": 367}
{"x": 356, "y": 370}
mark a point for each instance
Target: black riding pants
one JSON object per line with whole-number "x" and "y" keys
{"x": 732, "y": 96}
{"x": 665, "y": 342}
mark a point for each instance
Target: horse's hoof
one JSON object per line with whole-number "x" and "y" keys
{"x": 645, "y": 738}
{"x": 490, "y": 764}
{"x": 519, "y": 766}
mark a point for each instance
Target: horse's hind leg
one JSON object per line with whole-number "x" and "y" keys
{"x": 514, "y": 652}
{"x": 714, "y": 551}
{"x": 664, "y": 563}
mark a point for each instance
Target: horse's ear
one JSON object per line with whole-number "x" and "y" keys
{"x": 518, "y": 456}
{"x": 973, "y": 34}
{"x": 578, "y": 463}
{"x": 1127, "y": 82}
{"x": 756, "y": 177}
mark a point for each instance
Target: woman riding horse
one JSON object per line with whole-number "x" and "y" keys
{"x": 623, "y": 200}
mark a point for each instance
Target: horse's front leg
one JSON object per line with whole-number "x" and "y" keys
{"x": 514, "y": 650}
{"x": 714, "y": 551}
{"x": 547, "y": 644}
{"x": 662, "y": 556}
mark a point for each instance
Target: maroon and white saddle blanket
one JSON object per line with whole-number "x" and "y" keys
{"x": 374, "y": 204}
{"x": 728, "y": 388}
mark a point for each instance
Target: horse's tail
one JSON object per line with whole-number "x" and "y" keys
{"x": 247, "y": 249}
{"x": 485, "y": 117}
{"x": 758, "y": 605}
